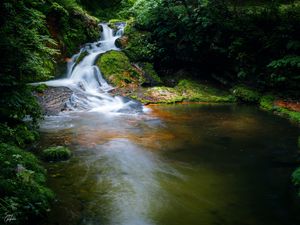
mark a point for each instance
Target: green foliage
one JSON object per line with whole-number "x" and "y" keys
{"x": 23, "y": 194}
{"x": 139, "y": 47}
{"x": 29, "y": 55}
{"x": 117, "y": 69}
{"x": 25, "y": 42}
{"x": 245, "y": 94}
{"x": 20, "y": 135}
{"x": 267, "y": 102}
{"x": 292, "y": 115}
{"x": 285, "y": 71}
{"x": 17, "y": 102}
{"x": 71, "y": 26}
{"x": 107, "y": 9}
{"x": 40, "y": 88}
{"x": 296, "y": 179}
{"x": 143, "y": 11}
{"x": 55, "y": 154}
{"x": 252, "y": 45}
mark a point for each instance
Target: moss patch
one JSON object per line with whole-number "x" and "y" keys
{"x": 196, "y": 92}
{"x": 267, "y": 102}
{"x": 186, "y": 90}
{"x": 117, "y": 70}
{"x": 55, "y": 154}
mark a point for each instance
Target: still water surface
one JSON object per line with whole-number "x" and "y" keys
{"x": 175, "y": 165}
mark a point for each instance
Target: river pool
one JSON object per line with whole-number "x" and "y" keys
{"x": 193, "y": 164}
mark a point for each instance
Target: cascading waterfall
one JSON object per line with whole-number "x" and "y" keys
{"x": 91, "y": 91}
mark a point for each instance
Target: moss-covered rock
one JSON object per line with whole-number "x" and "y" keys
{"x": 161, "y": 95}
{"x": 185, "y": 90}
{"x": 117, "y": 70}
{"x": 245, "y": 94}
{"x": 54, "y": 154}
{"x": 197, "y": 92}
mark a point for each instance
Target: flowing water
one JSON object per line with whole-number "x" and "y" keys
{"x": 173, "y": 165}
{"x": 86, "y": 81}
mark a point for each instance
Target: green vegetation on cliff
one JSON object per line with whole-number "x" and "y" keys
{"x": 239, "y": 43}
{"x": 34, "y": 35}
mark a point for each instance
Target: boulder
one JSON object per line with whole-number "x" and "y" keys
{"x": 53, "y": 100}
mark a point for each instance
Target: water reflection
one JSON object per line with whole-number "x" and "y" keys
{"x": 186, "y": 164}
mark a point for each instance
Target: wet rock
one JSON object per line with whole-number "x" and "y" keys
{"x": 122, "y": 42}
{"x": 53, "y": 100}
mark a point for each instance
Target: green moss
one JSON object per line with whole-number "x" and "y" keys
{"x": 266, "y": 102}
{"x": 186, "y": 90}
{"x": 116, "y": 68}
{"x": 81, "y": 57}
{"x": 292, "y": 115}
{"x": 57, "y": 153}
{"x": 20, "y": 134}
{"x": 246, "y": 94}
{"x": 196, "y": 92}
{"x": 296, "y": 179}
{"x": 23, "y": 194}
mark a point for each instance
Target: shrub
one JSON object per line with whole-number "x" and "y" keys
{"x": 296, "y": 179}
{"x": 23, "y": 194}
{"x": 57, "y": 153}
{"x": 266, "y": 102}
{"x": 245, "y": 94}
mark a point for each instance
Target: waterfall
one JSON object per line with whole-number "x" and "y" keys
{"x": 84, "y": 78}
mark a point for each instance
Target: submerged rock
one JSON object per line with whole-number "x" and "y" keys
{"x": 53, "y": 100}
